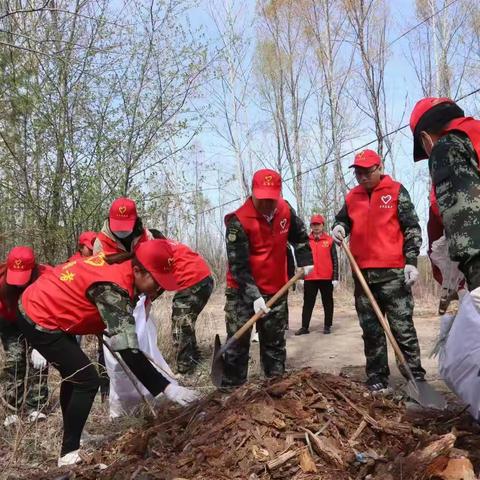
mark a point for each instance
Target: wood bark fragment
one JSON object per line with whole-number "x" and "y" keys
{"x": 324, "y": 447}
{"x": 281, "y": 459}
{"x": 306, "y": 462}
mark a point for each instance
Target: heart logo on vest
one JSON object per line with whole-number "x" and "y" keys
{"x": 283, "y": 223}
{"x": 386, "y": 199}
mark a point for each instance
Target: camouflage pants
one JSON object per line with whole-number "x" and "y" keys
{"x": 187, "y": 305}
{"x": 271, "y": 332}
{"x": 22, "y": 383}
{"x": 396, "y": 302}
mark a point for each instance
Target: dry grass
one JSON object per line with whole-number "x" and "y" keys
{"x": 27, "y": 448}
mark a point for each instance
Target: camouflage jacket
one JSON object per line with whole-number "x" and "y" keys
{"x": 116, "y": 310}
{"x": 412, "y": 236}
{"x": 238, "y": 252}
{"x": 453, "y": 166}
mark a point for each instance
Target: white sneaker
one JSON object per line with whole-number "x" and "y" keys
{"x": 10, "y": 420}
{"x": 35, "y": 416}
{"x": 70, "y": 458}
{"x": 255, "y": 337}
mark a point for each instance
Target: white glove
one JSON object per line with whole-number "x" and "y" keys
{"x": 38, "y": 360}
{"x": 259, "y": 304}
{"x": 334, "y": 283}
{"x": 338, "y": 234}
{"x": 411, "y": 275}
{"x": 307, "y": 269}
{"x": 181, "y": 395}
{"x": 475, "y": 296}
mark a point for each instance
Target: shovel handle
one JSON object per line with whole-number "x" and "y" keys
{"x": 378, "y": 312}
{"x": 260, "y": 314}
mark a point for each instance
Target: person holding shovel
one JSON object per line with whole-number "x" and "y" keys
{"x": 256, "y": 237}
{"x": 451, "y": 142}
{"x": 122, "y": 231}
{"x": 85, "y": 297}
{"x": 24, "y": 379}
{"x": 324, "y": 276}
{"x": 385, "y": 240}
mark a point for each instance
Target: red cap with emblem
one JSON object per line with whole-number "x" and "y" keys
{"x": 20, "y": 263}
{"x": 366, "y": 159}
{"x": 123, "y": 215}
{"x": 419, "y": 110}
{"x": 157, "y": 258}
{"x": 266, "y": 184}
{"x": 317, "y": 218}
{"x": 87, "y": 239}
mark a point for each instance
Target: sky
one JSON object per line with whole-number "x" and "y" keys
{"x": 402, "y": 91}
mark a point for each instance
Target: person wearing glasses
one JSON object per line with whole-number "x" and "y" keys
{"x": 385, "y": 239}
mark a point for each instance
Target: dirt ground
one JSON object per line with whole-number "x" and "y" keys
{"x": 37, "y": 446}
{"x": 342, "y": 350}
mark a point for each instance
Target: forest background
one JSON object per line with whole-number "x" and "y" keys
{"x": 176, "y": 103}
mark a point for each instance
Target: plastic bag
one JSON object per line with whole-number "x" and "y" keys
{"x": 124, "y": 398}
{"x": 459, "y": 354}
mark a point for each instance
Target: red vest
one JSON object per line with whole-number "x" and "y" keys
{"x": 75, "y": 256}
{"x": 189, "y": 267}
{"x": 322, "y": 257}
{"x": 58, "y": 300}
{"x": 471, "y": 128}
{"x": 376, "y": 239}
{"x": 268, "y": 245}
{"x": 10, "y": 313}
{"x": 110, "y": 246}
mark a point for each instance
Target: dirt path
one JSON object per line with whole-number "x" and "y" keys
{"x": 342, "y": 349}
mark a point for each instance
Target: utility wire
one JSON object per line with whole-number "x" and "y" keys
{"x": 343, "y": 155}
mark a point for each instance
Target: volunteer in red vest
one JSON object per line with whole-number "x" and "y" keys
{"x": 451, "y": 142}
{"x": 195, "y": 285}
{"x": 323, "y": 278}
{"x": 256, "y": 236}
{"x": 85, "y": 297}
{"x": 85, "y": 245}
{"x": 24, "y": 383}
{"x": 385, "y": 239}
{"x": 123, "y": 230}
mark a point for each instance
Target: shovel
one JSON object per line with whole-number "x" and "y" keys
{"x": 218, "y": 361}
{"x": 420, "y": 391}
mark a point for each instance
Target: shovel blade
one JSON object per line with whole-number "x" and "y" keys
{"x": 425, "y": 395}
{"x": 216, "y": 372}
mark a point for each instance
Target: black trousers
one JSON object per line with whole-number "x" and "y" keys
{"x": 80, "y": 380}
{"x": 310, "y": 290}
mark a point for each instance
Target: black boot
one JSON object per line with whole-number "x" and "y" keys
{"x": 302, "y": 331}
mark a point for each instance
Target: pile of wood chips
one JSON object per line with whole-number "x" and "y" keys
{"x": 307, "y": 425}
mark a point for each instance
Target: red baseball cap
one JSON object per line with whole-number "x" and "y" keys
{"x": 420, "y": 109}
{"x": 87, "y": 239}
{"x": 157, "y": 256}
{"x": 317, "y": 219}
{"x": 266, "y": 184}
{"x": 366, "y": 159}
{"x": 20, "y": 263}
{"x": 123, "y": 215}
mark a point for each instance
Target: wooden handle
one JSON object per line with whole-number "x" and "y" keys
{"x": 378, "y": 312}
{"x": 260, "y": 314}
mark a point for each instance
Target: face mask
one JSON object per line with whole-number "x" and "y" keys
{"x": 122, "y": 234}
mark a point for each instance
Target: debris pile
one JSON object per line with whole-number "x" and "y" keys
{"x": 307, "y": 425}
